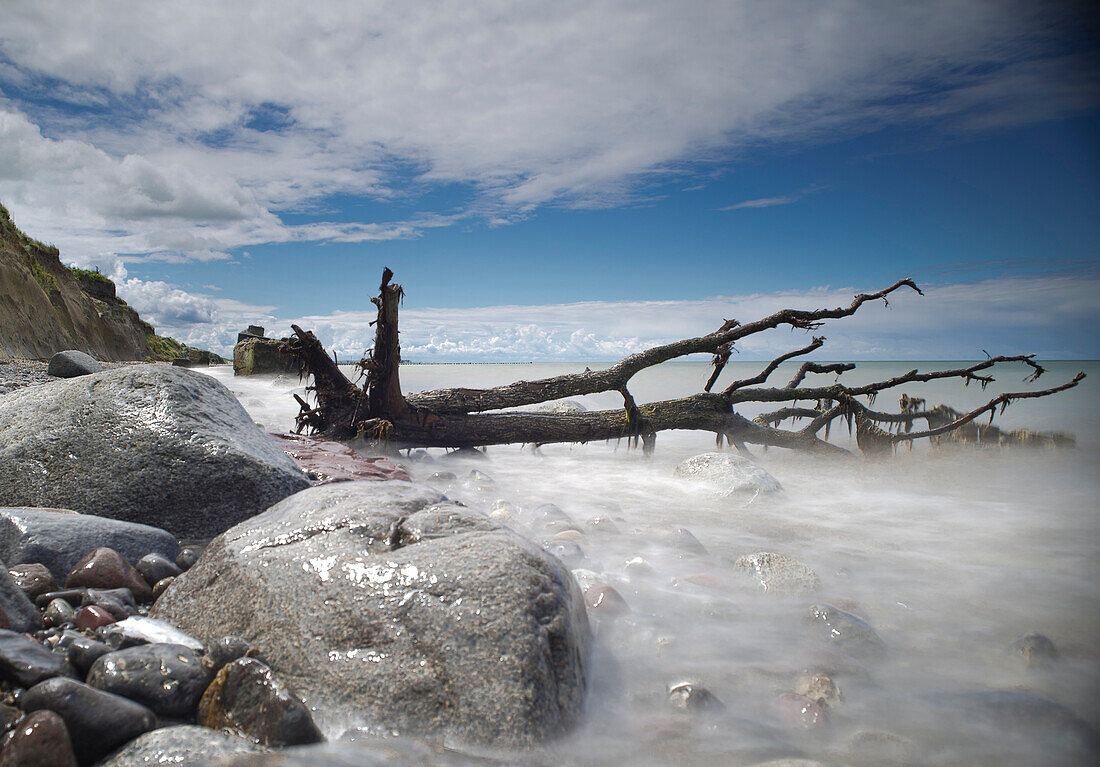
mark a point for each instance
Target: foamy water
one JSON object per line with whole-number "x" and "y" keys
{"x": 949, "y": 555}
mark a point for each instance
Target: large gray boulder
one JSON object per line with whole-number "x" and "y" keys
{"x": 70, "y": 364}
{"x": 149, "y": 443}
{"x": 59, "y": 538}
{"x": 385, "y": 605}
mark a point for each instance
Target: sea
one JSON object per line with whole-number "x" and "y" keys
{"x": 952, "y": 556}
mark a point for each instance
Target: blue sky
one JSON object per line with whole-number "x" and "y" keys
{"x": 569, "y": 181}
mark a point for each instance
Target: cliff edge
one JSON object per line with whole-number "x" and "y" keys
{"x": 46, "y": 307}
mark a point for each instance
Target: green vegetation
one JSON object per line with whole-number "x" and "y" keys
{"x": 89, "y": 274}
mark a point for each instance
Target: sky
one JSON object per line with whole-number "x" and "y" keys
{"x": 569, "y": 180}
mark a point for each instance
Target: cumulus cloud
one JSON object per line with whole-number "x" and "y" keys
{"x": 210, "y": 121}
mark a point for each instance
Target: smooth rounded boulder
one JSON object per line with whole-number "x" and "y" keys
{"x": 59, "y": 538}
{"x": 386, "y": 605}
{"x": 71, "y": 363}
{"x": 152, "y": 444}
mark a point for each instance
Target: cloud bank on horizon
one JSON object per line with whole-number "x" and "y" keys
{"x": 133, "y": 133}
{"x": 951, "y": 321}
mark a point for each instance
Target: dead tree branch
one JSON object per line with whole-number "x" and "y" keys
{"x": 457, "y": 418}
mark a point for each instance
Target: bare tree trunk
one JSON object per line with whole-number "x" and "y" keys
{"x": 458, "y": 418}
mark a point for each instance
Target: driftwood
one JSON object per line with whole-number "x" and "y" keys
{"x": 458, "y": 417}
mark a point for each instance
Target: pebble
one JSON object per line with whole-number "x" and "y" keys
{"x": 33, "y": 579}
{"x": 820, "y": 687}
{"x": 156, "y": 567}
{"x": 571, "y": 536}
{"x": 92, "y": 617}
{"x": 58, "y": 612}
{"x": 694, "y": 698}
{"x": 847, "y": 631}
{"x": 441, "y": 477}
{"x": 25, "y": 662}
{"x": 181, "y": 744}
{"x": 98, "y": 722}
{"x": 169, "y": 679}
{"x": 187, "y": 557}
{"x": 601, "y": 523}
{"x": 799, "y": 712}
{"x": 681, "y": 539}
{"x": 778, "y": 573}
{"x": 111, "y": 602}
{"x": 606, "y": 600}
{"x": 40, "y": 740}
{"x": 107, "y": 569}
{"x": 138, "y": 630}
{"x": 567, "y": 551}
{"x": 226, "y": 650}
{"x": 162, "y": 585}
{"x": 246, "y": 698}
{"x": 638, "y": 567}
{"x": 502, "y": 510}
{"x": 1036, "y": 650}
{"x": 83, "y": 651}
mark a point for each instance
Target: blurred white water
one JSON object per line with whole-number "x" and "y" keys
{"x": 949, "y": 555}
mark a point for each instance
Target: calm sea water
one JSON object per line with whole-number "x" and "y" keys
{"x": 949, "y": 555}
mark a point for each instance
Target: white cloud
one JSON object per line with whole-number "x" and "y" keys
{"x": 763, "y": 202}
{"x": 200, "y": 123}
{"x": 1048, "y": 315}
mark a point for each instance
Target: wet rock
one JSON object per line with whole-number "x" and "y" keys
{"x": 246, "y": 698}
{"x": 40, "y": 740}
{"x": 138, "y": 629}
{"x": 567, "y": 551}
{"x": 70, "y": 364}
{"x": 226, "y": 650}
{"x": 441, "y": 478}
{"x": 638, "y": 567}
{"x": 694, "y": 698}
{"x": 820, "y": 687}
{"x": 105, "y": 568}
{"x": 182, "y": 744}
{"x": 570, "y": 536}
{"x": 98, "y": 722}
{"x": 156, "y": 567}
{"x": 58, "y": 612}
{"x": 192, "y": 459}
{"x": 169, "y": 679}
{"x": 84, "y": 651}
{"x": 368, "y": 752}
{"x": 187, "y": 557}
{"x": 601, "y": 523}
{"x": 876, "y": 748}
{"x": 58, "y": 539}
{"x": 681, "y": 539}
{"x": 25, "y": 662}
{"x": 799, "y": 712}
{"x": 402, "y": 600}
{"x": 162, "y": 585}
{"x": 32, "y": 579}
{"x": 9, "y": 715}
{"x": 329, "y": 461}
{"x": 1036, "y": 650}
{"x": 16, "y": 611}
{"x": 606, "y": 601}
{"x": 1016, "y": 728}
{"x": 92, "y": 617}
{"x": 844, "y": 630}
{"x": 729, "y": 474}
{"x": 502, "y": 511}
{"x": 119, "y": 607}
{"x": 778, "y": 573}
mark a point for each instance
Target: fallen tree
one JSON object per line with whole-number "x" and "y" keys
{"x": 378, "y": 410}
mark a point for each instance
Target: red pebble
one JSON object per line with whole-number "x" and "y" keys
{"x": 800, "y": 712}
{"x": 606, "y": 600}
{"x": 92, "y": 617}
{"x": 105, "y": 568}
